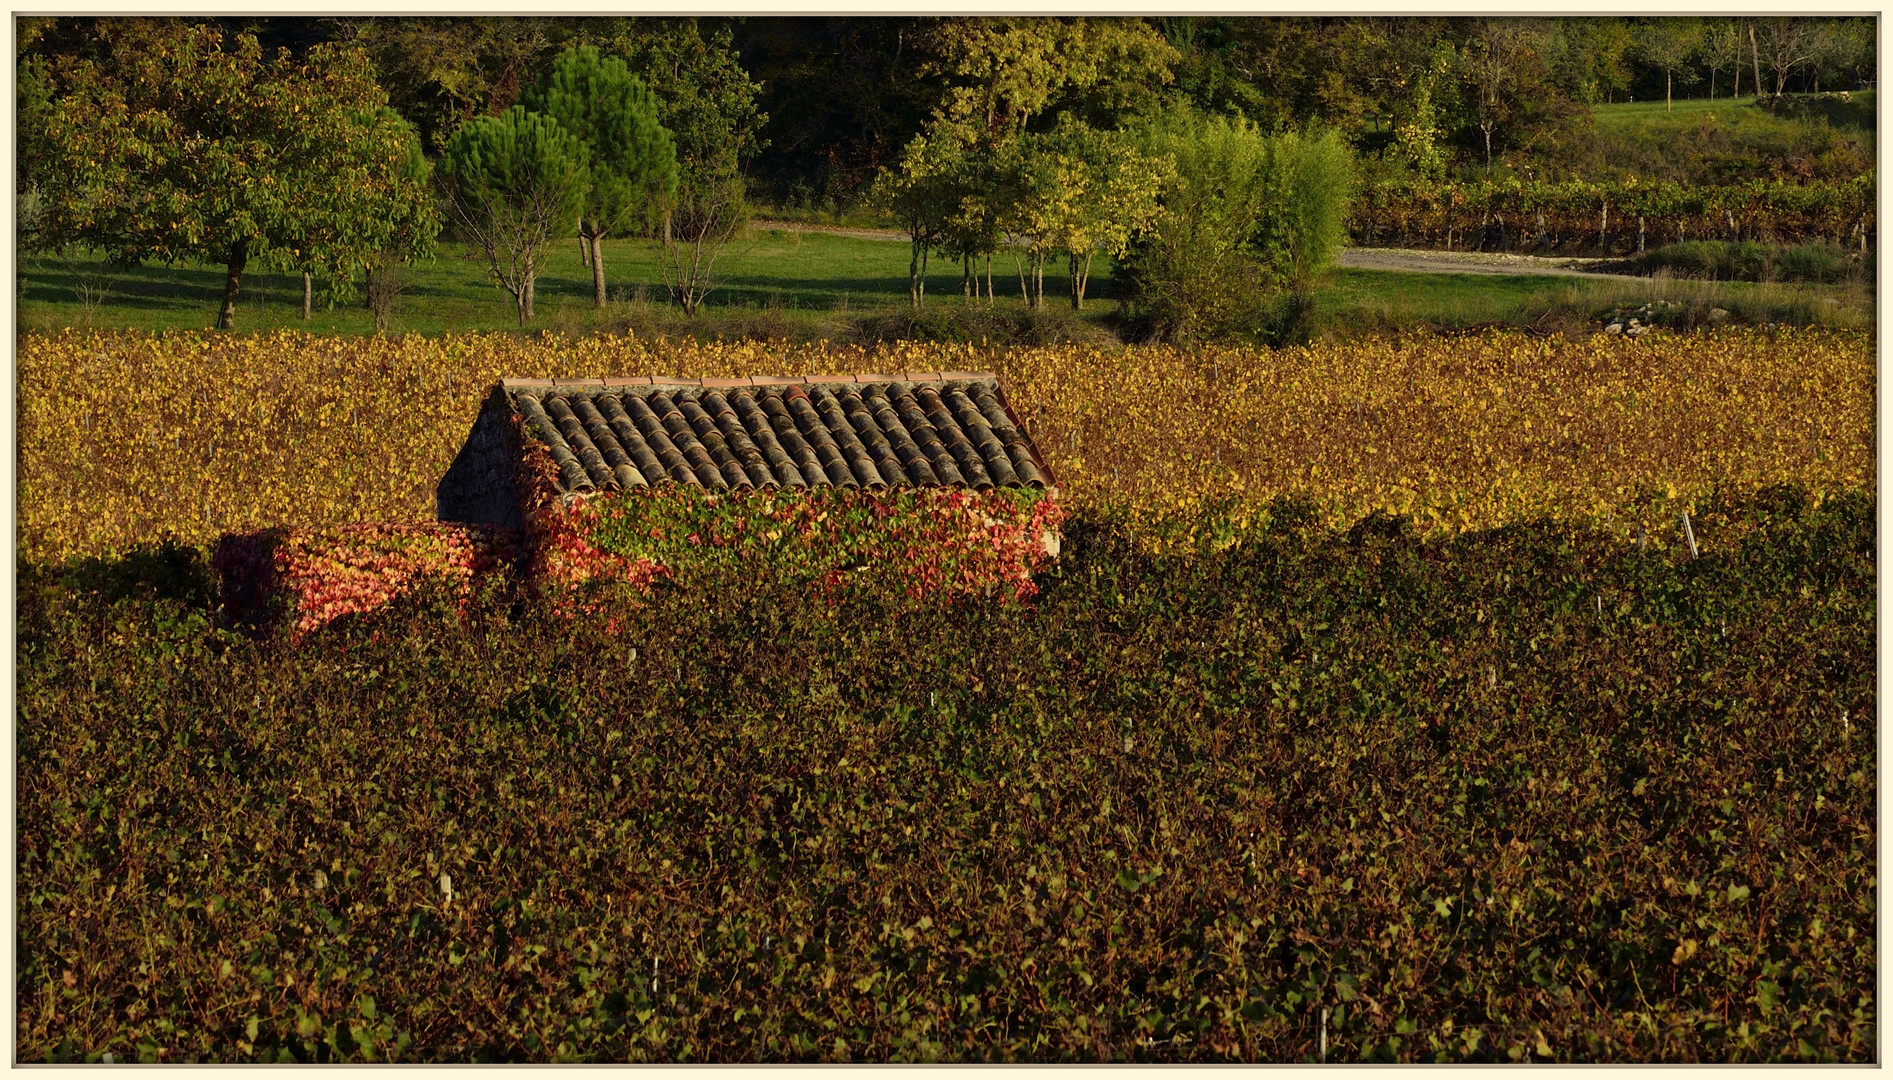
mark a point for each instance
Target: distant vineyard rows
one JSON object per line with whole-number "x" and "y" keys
{"x": 124, "y": 437}
{"x": 1519, "y": 214}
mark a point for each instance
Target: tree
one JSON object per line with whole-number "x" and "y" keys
{"x": 708, "y": 104}
{"x": 923, "y": 195}
{"x": 1073, "y": 190}
{"x": 1783, "y": 45}
{"x": 1193, "y": 273}
{"x": 633, "y": 160}
{"x": 410, "y": 229}
{"x": 514, "y": 183}
{"x": 1722, "y": 48}
{"x": 1670, "y": 45}
{"x": 442, "y": 72}
{"x": 1833, "y": 51}
{"x": 1492, "y": 60}
{"x": 1243, "y": 215}
{"x": 163, "y": 145}
{"x": 842, "y": 97}
{"x": 1311, "y": 187}
{"x": 1588, "y": 58}
{"x": 1107, "y": 195}
{"x": 1004, "y": 72}
{"x": 1417, "y": 124}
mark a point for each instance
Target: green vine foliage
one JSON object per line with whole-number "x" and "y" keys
{"x": 917, "y": 542}
{"x": 1523, "y": 794}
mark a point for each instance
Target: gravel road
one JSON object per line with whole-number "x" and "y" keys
{"x": 1412, "y": 262}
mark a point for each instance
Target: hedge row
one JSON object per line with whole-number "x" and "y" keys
{"x": 1524, "y": 794}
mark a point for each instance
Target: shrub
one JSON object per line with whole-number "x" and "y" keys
{"x": 1247, "y": 214}
{"x": 1816, "y": 263}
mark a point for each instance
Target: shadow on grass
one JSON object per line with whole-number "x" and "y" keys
{"x": 167, "y": 570}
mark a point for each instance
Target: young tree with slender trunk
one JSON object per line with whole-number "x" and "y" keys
{"x": 513, "y": 184}
{"x": 1721, "y": 47}
{"x": 1783, "y": 45}
{"x": 923, "y": 194}
{"x": 1671, "y": 44}
{"x": 708, "y": 104}
{"x": 633, "y": 158}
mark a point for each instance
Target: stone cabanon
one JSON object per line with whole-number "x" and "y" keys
{"x": 876, "y": 432}
{"x": 926, "y": 478}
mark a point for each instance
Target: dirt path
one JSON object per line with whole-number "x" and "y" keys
{"x": 1465, "y": 262}
{"x": 1398, "y": 259}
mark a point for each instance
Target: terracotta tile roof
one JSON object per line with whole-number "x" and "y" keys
{"x": 920, "y": 429}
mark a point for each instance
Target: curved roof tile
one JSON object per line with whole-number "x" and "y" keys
{"x": 915, "y": 429}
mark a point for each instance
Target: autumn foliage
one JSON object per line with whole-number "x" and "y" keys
{"x": 294, "y": 430}
{"x": 324, "y": 574}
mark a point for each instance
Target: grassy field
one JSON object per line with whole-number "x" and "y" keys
{"x": 1725, "y": 141}
{"x": 1739, "y": 115}
{"x": 816, "y": 286}
{"x": 794, "y": 271}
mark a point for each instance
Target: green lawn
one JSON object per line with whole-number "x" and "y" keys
{"x": 796, "y": 271}
{"x": 813, "y": 286}
{"x": 1738, "y": 115}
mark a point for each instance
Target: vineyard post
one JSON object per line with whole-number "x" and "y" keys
{"x": 1603, "y": 229}
{"x": 1689, "y": 534}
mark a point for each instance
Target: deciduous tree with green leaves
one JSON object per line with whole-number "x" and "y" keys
{"x": 923, "y": 194}
{"x": 1243, "y": 215}
{"x": 1670, "y": 44}
{"x": 164, "y": 145}
{"x": 633, "y": 158}
{"x": 514, "y": 183}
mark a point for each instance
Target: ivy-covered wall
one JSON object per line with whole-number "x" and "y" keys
{"x": 593, "y": 552}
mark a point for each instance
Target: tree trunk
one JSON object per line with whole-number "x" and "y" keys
{"x": 584, "y": 249}
{"x": 1712, "y": 84}
{"x": 1755, "y": 53}
{"x": 913, "y": 273}
{"x": 989, "y": 282}
{"x": 1639, "y": 234}
{"x": 308, "y": 294}
{"x": 1077, "y": 287}
{"x": 597, "y": 247}
{"x": 1666, "y": 90}
{"x": 233, "y": 277}
{"x": 967, "y": 284}
{"x": 525, "y": 299}
{"x": 1603, "y": 230}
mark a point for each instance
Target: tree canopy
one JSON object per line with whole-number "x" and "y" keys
{"x": 514, "y": 183}
{"x": 633, "y": 159}
{"x": 166, "y": 145}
